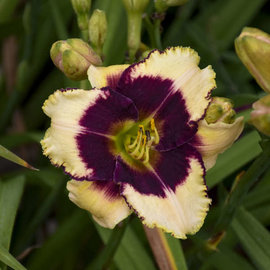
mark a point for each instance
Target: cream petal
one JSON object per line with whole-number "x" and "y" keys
{"x": 101, "y": 199}
{"x": 80, "y": 132}
{"x": 214, "y": 139}
{"x": 170, "y": 194}
{"x": 105, "y": 76}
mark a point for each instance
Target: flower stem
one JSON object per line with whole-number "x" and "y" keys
{"x": 157, "y": 35}
{"x": 134, "y": 33}
{"x": 160, "y": 248}
{"x": 150, "y": 30}
{"x": 85, "y": 35}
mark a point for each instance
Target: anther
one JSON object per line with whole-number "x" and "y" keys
{"x": 148, "y": 136}
{"x": 153, "y": 128}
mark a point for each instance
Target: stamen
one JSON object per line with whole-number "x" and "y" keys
{"x": 146, "y": 155}
{"x": 143, "y": 147}
{"x": 140, "y": 147}
{"x": 136, "y": 141}
{"x": 141, "y": 128}
{"x": 153, "y": 128}
{"x": 136, "y": 151}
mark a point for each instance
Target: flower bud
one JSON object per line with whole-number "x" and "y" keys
{"x": 253, "y": 48}
{"x": 73, "y": 57}
{"x": 260, "y": 116}
{"x": 82, "y": 8}
{"x": 98, "y": 29}
{"x": 162, "y": 5}
{"x": 218, "y": 130}
{"x": 220, "y": 110}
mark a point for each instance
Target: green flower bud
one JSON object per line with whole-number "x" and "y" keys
{"x": 253, "y": 48}
{"x": 73, "y": 57}
{"x": 220, "y": 110}
{"x": 82, "y": 8}
{"x": 162, "y": 5}
{"x": 260, "y": 116}
{"x": 98, "y": 29}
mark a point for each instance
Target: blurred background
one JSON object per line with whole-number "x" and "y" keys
{"x": 38, "y": 224}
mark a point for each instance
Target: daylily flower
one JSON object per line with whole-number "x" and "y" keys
{"x": 132, "y": 143}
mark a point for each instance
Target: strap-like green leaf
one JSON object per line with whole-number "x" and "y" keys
{"x": 10, "y": 196}
{"x": 242, "y": 152}
{"x": 5, "y": 153}
{"x": 9, "y": 260}
{"x": 131, "y": 253}
{"x": 177, "y": 252}
{"x": 254, "y": 237}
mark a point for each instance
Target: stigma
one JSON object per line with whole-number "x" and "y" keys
{"x": 138, "y": 147}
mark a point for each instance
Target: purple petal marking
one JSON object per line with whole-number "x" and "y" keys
{"x": 112, "y": 80}
{"x": 95, "y": 154}
{"x": 110, "y": 189}
{"x": 108, "y": 109}
{"x": 171, "y": 170}
{"x": 147, "y": 93}
{"x": 156, "y": 97}
{"x": 93, "y": 142}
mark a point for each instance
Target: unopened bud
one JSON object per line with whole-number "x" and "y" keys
{"x": 162, "y": 5}
{"x": 98, "y": 29}
{"x": 82, "y": 8}
{"x": 220, "y": 110}
{"x": 253, "y": 48}
{"x": 73, "y": 57}
{"x": 260, "y": 116}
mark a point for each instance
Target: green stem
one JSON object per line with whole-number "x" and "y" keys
{"x": 85, "y": 84}
{"x": 157, "y": 35}
{"x": 134, "y": 34}
{"x": 105, "y": 257}
{"x": 85, "y": 35}
{"x": 236, "y": 196}
{"x": 150, "y": 30}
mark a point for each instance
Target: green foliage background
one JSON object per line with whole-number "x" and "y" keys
{"x": 39, "y": 225}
